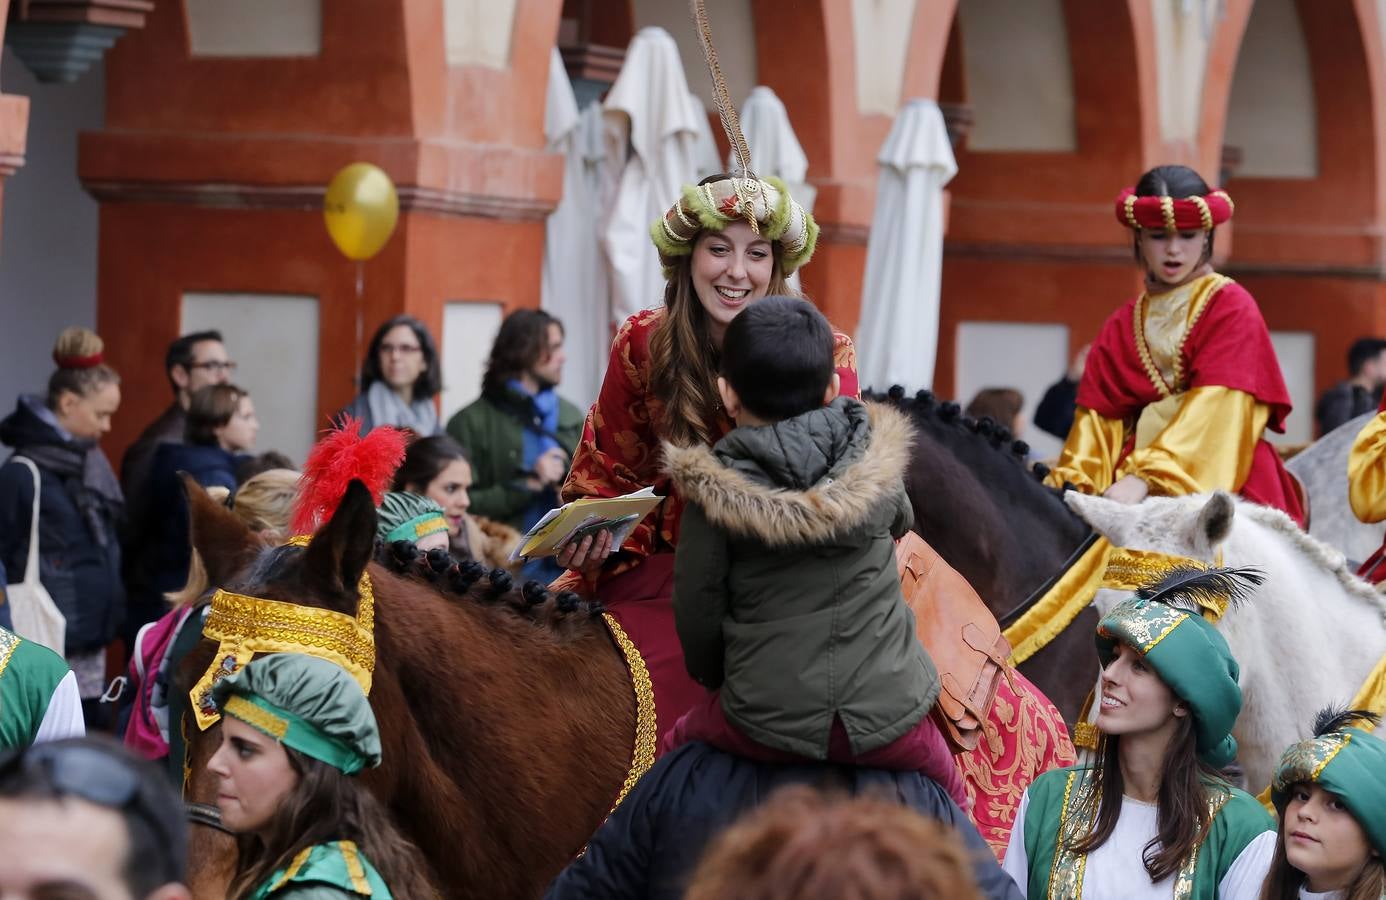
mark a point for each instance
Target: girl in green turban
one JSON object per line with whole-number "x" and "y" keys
{"x": 1152, "y": 817}
{"x": 1330, "y": 791}
{"x": 295, "y": 728}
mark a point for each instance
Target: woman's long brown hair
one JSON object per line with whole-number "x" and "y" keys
{"x": 327, "y": 806}
{"x": 683, "y": 359}
{"x": 1182, "y": 818}
{"x": 1283, "y": 881}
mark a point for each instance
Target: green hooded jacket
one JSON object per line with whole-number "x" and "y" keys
{"x": 785, "y": 588}
{"x": 491, "y": 430}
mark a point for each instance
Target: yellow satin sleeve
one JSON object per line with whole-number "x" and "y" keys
{"x": 1208, "y": 443}
{"x": 1090, "y": 452}
{"x": 1367, "y": 471}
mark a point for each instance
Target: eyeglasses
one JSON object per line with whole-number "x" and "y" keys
{"x": 401, "y": 349}
{"x": 215, "y": 366}
{"x": 98, "y": 777}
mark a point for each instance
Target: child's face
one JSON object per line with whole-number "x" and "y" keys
{"x": 438, "y": 540}
{"x": 1322, "y": 839}
{"x": 1172, "y": 257}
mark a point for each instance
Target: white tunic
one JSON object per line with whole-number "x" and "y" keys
{"x": 1115, "y": 869}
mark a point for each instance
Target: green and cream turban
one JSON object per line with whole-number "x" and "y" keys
{"x": 306, "y": 703}
{"x": 1344, "y": 760}
{"x": 1189, "y": 654}
{"x": 764, "y": 203}
{"x": 408, "y": 517}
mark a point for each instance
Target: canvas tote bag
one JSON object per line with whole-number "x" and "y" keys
{"x": 32, "y": 611}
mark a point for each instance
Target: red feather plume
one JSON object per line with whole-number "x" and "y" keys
{"x": 342, "y": 456}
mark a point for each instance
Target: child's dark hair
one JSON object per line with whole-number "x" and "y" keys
{"x": 778, "y": 357}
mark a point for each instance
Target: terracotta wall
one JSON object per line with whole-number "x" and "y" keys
{"x": 211, "y": 170}
{"x": 14, "y": 121}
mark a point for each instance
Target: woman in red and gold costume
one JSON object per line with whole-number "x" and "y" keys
{"x": 726, "y": 244}
{"x": 1182, "y": 381}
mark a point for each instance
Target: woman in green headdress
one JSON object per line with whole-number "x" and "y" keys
{"x": 1330, "y": 791}
{"x": 1152, "y": 817}
{"x": 294, "y": 729}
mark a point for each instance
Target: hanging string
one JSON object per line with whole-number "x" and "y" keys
{"x": 731, "y": 123}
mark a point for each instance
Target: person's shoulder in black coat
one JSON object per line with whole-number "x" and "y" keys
{"x": 651, "y": 844}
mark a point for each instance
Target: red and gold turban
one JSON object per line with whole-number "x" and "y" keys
{"x": 1169, "y": 214}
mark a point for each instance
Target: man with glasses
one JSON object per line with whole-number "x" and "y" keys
{"x": 193, "y": 361}
{"x": 82, "y": 819}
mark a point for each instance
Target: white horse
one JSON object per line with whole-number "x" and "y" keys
{"x": 1310, "y": 634}
{"x": 1322, "y": 468}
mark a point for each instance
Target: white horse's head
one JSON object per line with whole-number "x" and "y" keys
{"x": 1193, "y": 526}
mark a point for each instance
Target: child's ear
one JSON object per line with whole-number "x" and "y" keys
{"x": 834, "y": 389}
{"x": 730, "y": 401}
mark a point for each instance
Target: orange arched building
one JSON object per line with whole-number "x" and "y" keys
{"x": 223, "y": 122}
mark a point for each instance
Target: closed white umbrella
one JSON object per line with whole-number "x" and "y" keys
{"x": 775, "y": 148}
{"x": 574, "y": 283}
{"x": 660, "y": 141}
{"x": 898, "y": 336}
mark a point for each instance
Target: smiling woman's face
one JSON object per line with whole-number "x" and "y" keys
{"x": 731, "y": 270}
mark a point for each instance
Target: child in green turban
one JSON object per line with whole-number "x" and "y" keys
{"x": 1330, "y": 791}
{"x": 403, "y": 516}
{"x": 294, "y": 729}
{"x": 1152, "y": 817}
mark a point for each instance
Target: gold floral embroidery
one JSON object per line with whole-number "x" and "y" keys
{"x": 8, "y": 642}
{"x": 1140, "y": 623}
{"x": 1306, "y": 760}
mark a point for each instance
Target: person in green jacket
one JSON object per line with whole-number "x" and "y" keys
{"x": 295, "y": 728}
{"x": 786, "y": 594}
{"x": 520, "y": 434}
{"x": 1152, "y": 817}
{"x": 38, "y": 694}
{"x": 1330, "y": 792}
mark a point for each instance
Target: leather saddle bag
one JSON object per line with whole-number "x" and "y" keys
{"x": 961, "y": 635}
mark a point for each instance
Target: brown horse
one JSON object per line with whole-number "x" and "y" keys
{"x": 979, "y": 504}
{"x": 507, "y": 716}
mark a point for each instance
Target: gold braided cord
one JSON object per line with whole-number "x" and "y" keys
{"x": 272, "y": 725}
{"x": 726, "y": 112}
{"x": 1143, "y": 351}
{"x": 1167, "y": 210}
{"x": 1205, "y": 215}
{"x": 1131, "y": 211}
{"x": 1226, "y": 198}
{"x": 643, "y": 754}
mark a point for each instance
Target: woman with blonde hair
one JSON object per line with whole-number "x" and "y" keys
{"x": 265, "y": 503}
{"x": 58, "y": 467}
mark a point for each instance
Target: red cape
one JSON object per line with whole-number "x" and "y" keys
{"x": 1229, "y": 346}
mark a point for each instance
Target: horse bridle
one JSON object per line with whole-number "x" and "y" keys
{"x": 206, "y": 814}
{"x": 1024, "y": 606}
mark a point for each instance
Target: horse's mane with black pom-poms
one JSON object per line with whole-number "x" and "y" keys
{"x": 471, "y": 580}
{"x": 1336, "y": 718}
{"x": 996, "y": 435}
{"x": 1193, "y": 589}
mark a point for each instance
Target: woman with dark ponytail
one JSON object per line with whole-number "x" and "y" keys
{"x": 80, "y": 506}
{"x": 1182, "y": 382}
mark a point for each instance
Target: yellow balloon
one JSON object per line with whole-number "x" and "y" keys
{"x": 360, "y": 209}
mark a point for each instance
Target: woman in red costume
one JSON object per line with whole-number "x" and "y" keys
{"x": 728, "y": 243}
{"x": 1182, "y": 381}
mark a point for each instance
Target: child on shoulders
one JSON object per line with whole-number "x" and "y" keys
{"x": 786, "y": 595}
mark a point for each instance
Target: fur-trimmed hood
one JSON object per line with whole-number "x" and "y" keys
{"x": 853, "y": 454}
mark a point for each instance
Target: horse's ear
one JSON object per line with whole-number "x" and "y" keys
{"x": 1214, "y": 523}
{"x": 1108, "y": 517}
{"x": 225, "y": 543}
{"x": 343, "y": 547}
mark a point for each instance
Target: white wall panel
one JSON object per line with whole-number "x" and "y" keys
{"x": 274, "y": 340}
{"x": 254, "y": 28}
{"x": 469, "y": 329}
{"x": 1295, "y": 350}
{"x": 1020, "y": 355}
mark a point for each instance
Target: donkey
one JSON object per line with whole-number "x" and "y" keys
{"x": 1309, "y": 637}
{"x": 979, "y": 504}
{"x": 507, "y": 715}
